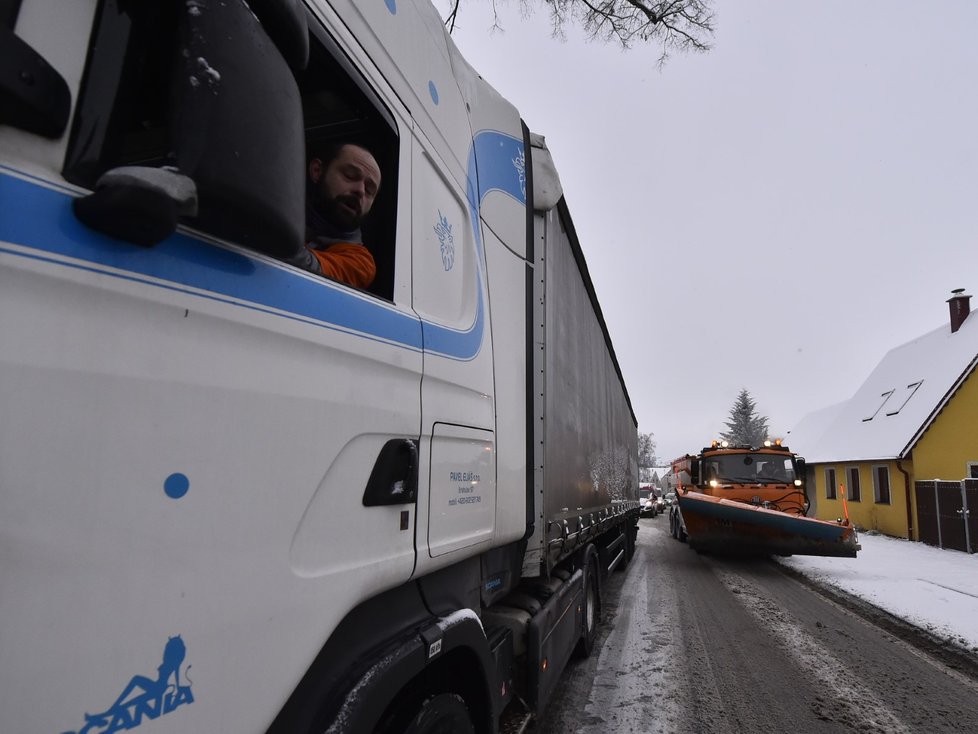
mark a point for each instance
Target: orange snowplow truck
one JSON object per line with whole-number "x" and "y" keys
{"x": 747, "y": 500}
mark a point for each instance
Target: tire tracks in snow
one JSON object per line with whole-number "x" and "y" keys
{"x": 844, "y": 698}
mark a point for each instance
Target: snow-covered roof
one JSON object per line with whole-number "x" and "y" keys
{"x": 896, "y": 403}
{"x": 802, "y": 439}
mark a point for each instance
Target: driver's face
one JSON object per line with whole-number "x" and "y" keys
{"x": 348, "y": 185}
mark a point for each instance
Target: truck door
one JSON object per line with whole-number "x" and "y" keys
{"x": 449, "y": 294}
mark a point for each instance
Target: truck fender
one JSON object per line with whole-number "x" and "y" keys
{"x": 438, "y": 658}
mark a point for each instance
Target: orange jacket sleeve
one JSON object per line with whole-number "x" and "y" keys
{"x": 348, "y": 263}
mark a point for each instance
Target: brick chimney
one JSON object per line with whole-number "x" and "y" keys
{"x": 960, "y": 307}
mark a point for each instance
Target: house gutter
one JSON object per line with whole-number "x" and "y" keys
{"x": 906, "y": 486}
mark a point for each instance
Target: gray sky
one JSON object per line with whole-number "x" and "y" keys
{"x": 775, "y": 214}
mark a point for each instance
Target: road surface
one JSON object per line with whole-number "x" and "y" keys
{"x": 701, "y": 644}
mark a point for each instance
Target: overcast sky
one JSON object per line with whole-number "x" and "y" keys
{"x": 775, "y": 214}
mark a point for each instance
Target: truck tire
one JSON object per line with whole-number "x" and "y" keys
{"x": 445, "y": 713}
{"x": 592, "y": 605}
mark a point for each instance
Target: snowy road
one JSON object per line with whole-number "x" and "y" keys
{"x": 694, "y": 643}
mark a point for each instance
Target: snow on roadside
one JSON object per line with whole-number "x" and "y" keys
{"x": 931, "y": 588}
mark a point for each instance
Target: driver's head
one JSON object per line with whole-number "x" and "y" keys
{"x": 345, "y": 182}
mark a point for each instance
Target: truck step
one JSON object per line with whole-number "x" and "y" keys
{"x": 515, "y": 720}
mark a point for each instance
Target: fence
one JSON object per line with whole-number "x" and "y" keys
{"x": 943, "y": 517}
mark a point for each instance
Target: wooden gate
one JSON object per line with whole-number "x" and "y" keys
{"x": 943, "y": 518}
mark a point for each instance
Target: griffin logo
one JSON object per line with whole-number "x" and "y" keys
{"x": 446, "y": 241}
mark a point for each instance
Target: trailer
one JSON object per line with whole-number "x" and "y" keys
{"x": 241, "y": 497}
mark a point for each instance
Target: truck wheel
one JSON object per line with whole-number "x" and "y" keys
{"x": 592, "y": 603}
{"x": 445, "y": 713}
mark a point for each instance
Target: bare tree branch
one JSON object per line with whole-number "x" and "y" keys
{"x": 450, "y": 20}
{"x": 676, "y": 25}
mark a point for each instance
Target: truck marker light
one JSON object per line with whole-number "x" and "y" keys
{"x": 544, "y": 665}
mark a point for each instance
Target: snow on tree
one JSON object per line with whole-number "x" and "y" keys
{"x": 646, "y": 456}
{"x": 744, "y": 425}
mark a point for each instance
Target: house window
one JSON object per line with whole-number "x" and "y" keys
{"x": 852, "y": 491}
{"x": 972, "y": 470}
{"x": 830, "y": 484}
{"x": 881, "y": 485}
{"x": 911, "y": 389}
{"x": 884, "y": 397}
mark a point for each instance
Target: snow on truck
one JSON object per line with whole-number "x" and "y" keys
{"x": 240, "y": 497}
{"x": 751, "y": 500}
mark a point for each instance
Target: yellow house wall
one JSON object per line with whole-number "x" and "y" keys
{"x": 945, "y": 449}
{"x": 889, "y": 519}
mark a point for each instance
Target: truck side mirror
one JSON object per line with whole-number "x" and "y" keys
{"x": 800, "y": 468}
{"x": 33, "y": 95}
{"x": 238, "y": 130}
{"x": 236, "y": 135}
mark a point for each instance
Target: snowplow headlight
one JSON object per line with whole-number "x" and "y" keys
{"x": 797, "y": 482}
{"x": 767, "y": 444}
{"x": 714, "y": 483}
{"x": 724, "y": 444}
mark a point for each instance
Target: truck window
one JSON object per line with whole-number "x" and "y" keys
{"x": 124, "y": 112}
{"x": 339, "y": 105}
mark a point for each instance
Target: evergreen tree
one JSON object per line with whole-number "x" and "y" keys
{"x": 744, "y": 425}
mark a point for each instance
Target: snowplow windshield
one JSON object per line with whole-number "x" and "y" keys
{"x": 749, "y": 468}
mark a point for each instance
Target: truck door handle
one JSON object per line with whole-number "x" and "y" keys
{"x": 394, "y": 478}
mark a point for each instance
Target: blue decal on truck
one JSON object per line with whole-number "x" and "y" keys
{"x": 446, "y": 241}
{"x": 176, "y": 485}
{"x": 144, "y": 697}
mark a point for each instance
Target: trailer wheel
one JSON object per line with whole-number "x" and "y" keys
{"x": 445, "y": 713}
{"x": 592, "y": 605}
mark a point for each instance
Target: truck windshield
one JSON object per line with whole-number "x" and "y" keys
{"x": 748, "y": 468}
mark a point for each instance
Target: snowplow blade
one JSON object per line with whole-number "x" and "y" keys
{"x": 724, "y": 526}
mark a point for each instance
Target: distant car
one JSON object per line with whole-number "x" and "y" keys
{"x": 660, "y": 505}
{"x": 646, "y": 503}
{"x": 669, "y": 498}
